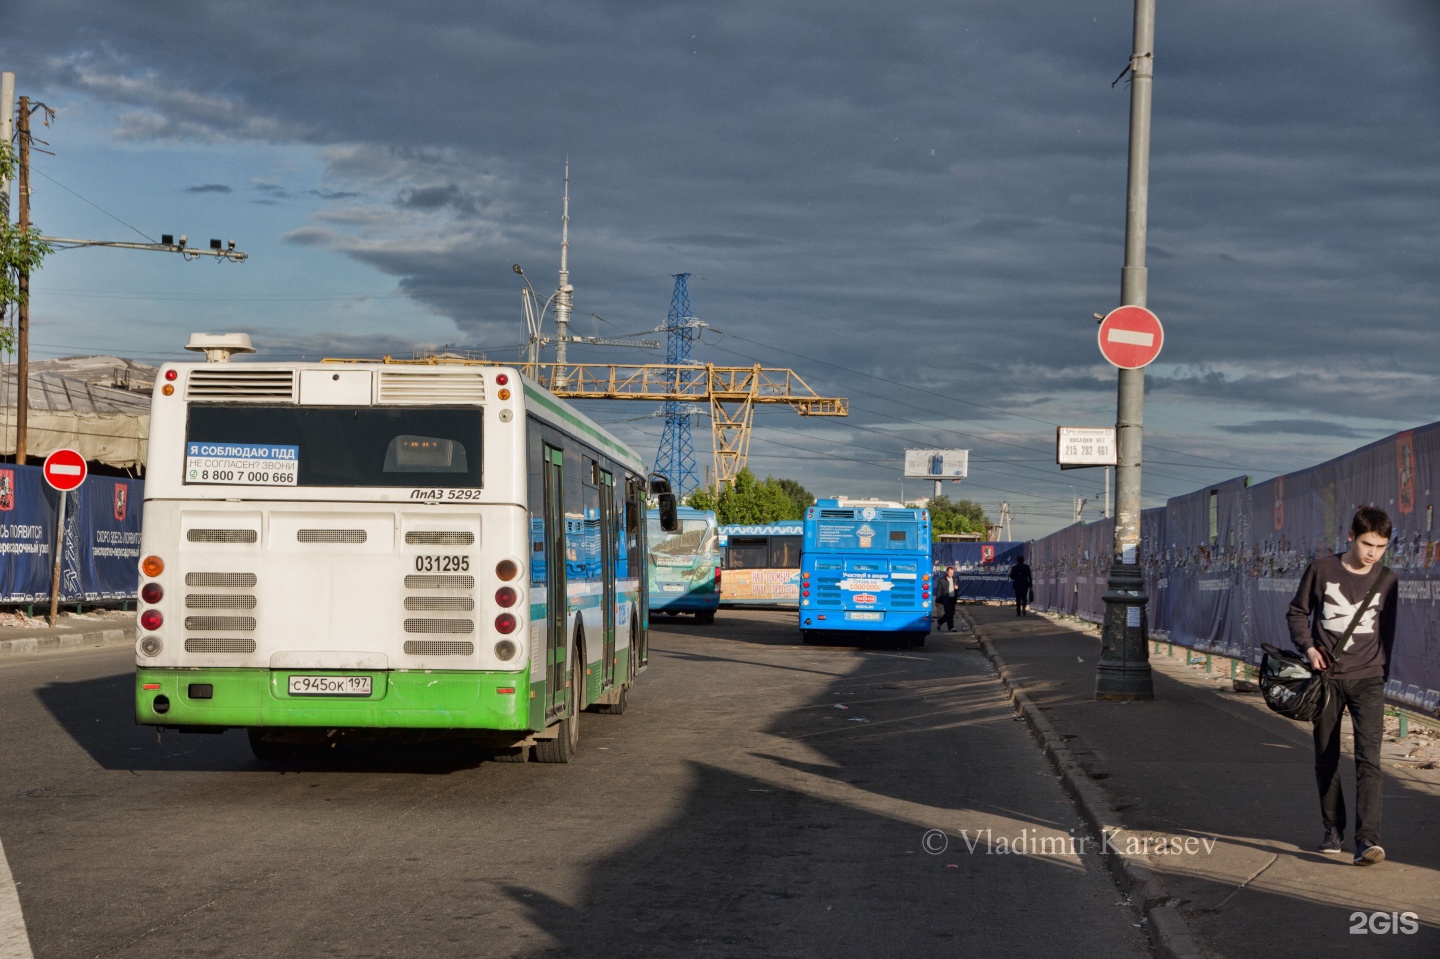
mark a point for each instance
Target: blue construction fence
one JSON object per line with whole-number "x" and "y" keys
{"x": 983, "y": 568}
{"x": 1221, "y": 564}
{"x": 100, "y": 560}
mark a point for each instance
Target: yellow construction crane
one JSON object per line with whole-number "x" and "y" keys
{"x": 731, "y": 391}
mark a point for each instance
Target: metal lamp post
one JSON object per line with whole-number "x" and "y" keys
{"x": 1124, "y": 670}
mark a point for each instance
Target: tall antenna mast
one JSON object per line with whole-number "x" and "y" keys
{"x": 563, "y": 294}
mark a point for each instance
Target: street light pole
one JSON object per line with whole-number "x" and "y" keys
{"x": 1123, "y": 673}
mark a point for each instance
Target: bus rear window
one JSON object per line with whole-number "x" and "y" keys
{"x": 346, "y": 447}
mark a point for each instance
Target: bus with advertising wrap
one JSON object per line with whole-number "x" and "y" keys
{"x": 761, "y": 564}
{"x": 385, "y": 550}
{"x": 684, "y": 565}
{"x": 865, "y": 568}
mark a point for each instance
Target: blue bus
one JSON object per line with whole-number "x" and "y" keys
{"x": 761, "y": 564}
{"x": 684, "y": 565}
{"x": 865, "y": 568}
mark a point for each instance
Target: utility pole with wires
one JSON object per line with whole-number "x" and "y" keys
{"x": 45, "y": 244}
{"x": 22, "y": 307}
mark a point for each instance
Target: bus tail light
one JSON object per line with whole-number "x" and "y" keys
{"x": 151, "y": 619}
{"x": 152, "y": 566}
{"x": 505, "y": 624}
{"x": 505, "y": 650}
{"x": 152, "y": 592}
{"x": 151, "y": 646}
{"x": 507, "y": 569}
{"x": 505, "y": 596}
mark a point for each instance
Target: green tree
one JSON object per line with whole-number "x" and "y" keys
{"x": 798, "y": 494}
{"x": 20, "y": 250}
{"x": 749, "y": 500}
{"x": 957, "y": 516}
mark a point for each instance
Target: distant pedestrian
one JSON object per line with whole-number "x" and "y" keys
{"x": 1021, "y": 579}
{"x": 1351, "y": 593}
{"x": 946, "y": 588}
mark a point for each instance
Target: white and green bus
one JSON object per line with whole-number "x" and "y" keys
{"x": 380, "y": 550}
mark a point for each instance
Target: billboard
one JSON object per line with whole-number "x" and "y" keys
{"x": 937, "y": 464}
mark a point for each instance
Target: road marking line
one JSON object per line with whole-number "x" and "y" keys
{"x": 14, "y": 941}
{"x": 1130, "y": 337}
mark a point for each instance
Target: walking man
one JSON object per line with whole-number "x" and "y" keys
{"x": 945, "y": 589}
{"x": 1342, "y": 620}
{"x": 1021, "y": 579}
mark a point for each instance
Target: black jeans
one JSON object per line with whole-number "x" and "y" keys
{"x": 1365, "y": 698}
{"x": 1022, "y": 598}
{"x": 947, "y": 618}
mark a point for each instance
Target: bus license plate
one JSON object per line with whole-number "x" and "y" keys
{"x": 672, "y": 587}
{"x": 330, "y": 686}
{"x": 867, "y": 617}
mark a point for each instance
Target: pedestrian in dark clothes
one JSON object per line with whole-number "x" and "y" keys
{"x": 1021, "y": 579}
{"x": 945, "y": 590}
{"x": 1335, "y": 590}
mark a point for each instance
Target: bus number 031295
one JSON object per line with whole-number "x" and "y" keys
{"x": 442, "y": 564}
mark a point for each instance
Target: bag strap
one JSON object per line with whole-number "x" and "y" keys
{"x": 1359, "y": 611}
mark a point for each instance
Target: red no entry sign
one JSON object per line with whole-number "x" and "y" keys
{"x": 65, "y": 470}
{"x": 1131, "y": 337}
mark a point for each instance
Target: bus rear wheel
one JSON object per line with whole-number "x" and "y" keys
{"x": 564, "y": 746}
{"x": 706, "y": 618}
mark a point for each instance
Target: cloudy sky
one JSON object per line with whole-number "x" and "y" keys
{"x": 916, "y": 205}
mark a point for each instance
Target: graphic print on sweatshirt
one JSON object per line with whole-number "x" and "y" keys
{"x": 1339, "y": 611}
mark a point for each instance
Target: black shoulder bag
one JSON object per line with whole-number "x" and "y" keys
{"x": 1290, "y": 686}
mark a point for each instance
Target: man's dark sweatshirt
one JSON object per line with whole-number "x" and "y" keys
{"x": 1325, "y": 603}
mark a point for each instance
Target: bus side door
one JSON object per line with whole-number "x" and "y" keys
{"x": 608, "y": 543}
{"x": 555, "y": 585}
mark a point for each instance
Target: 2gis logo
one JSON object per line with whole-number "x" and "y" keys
{"x": 1381, "y": 923}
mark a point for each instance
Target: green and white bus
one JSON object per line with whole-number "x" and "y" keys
{"x": 386, "y": 550}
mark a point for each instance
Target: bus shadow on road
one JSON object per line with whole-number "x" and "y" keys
{"x": 98, "y": 714}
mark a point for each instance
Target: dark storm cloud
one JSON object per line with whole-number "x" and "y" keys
{"x": 447, "y": 196}
{"x": 1299, "y": 427}
{"x": 916, "y": 194}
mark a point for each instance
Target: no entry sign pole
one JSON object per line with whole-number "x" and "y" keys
{"x": 1123, "y": 672}
{"x": 64, "y": 470}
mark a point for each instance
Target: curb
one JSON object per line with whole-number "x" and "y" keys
{"x": 80, "y": 639}
{"x": 1167, "y": 928}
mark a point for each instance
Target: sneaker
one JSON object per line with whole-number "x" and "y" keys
{"x": 1368, "y": 853}
{"x": 1331, "y": 843}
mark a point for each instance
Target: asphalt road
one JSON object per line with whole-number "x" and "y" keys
{"x": 758, "y": 798}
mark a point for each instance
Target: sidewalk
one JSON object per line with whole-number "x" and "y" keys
{"x": 20, "y": 634}
{"x": 1214, "y": 799}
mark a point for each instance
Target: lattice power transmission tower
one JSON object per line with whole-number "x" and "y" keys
{"x": 676, "y": 456}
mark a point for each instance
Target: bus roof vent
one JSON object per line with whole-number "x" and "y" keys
{"x": 432, "y": 386}
{"x": 837, "y": 514}
{"x": 238, "y": 383}
{"x": 897, "y": 514}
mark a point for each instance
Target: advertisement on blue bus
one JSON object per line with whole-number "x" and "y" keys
{"x": 761, "y": 563}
